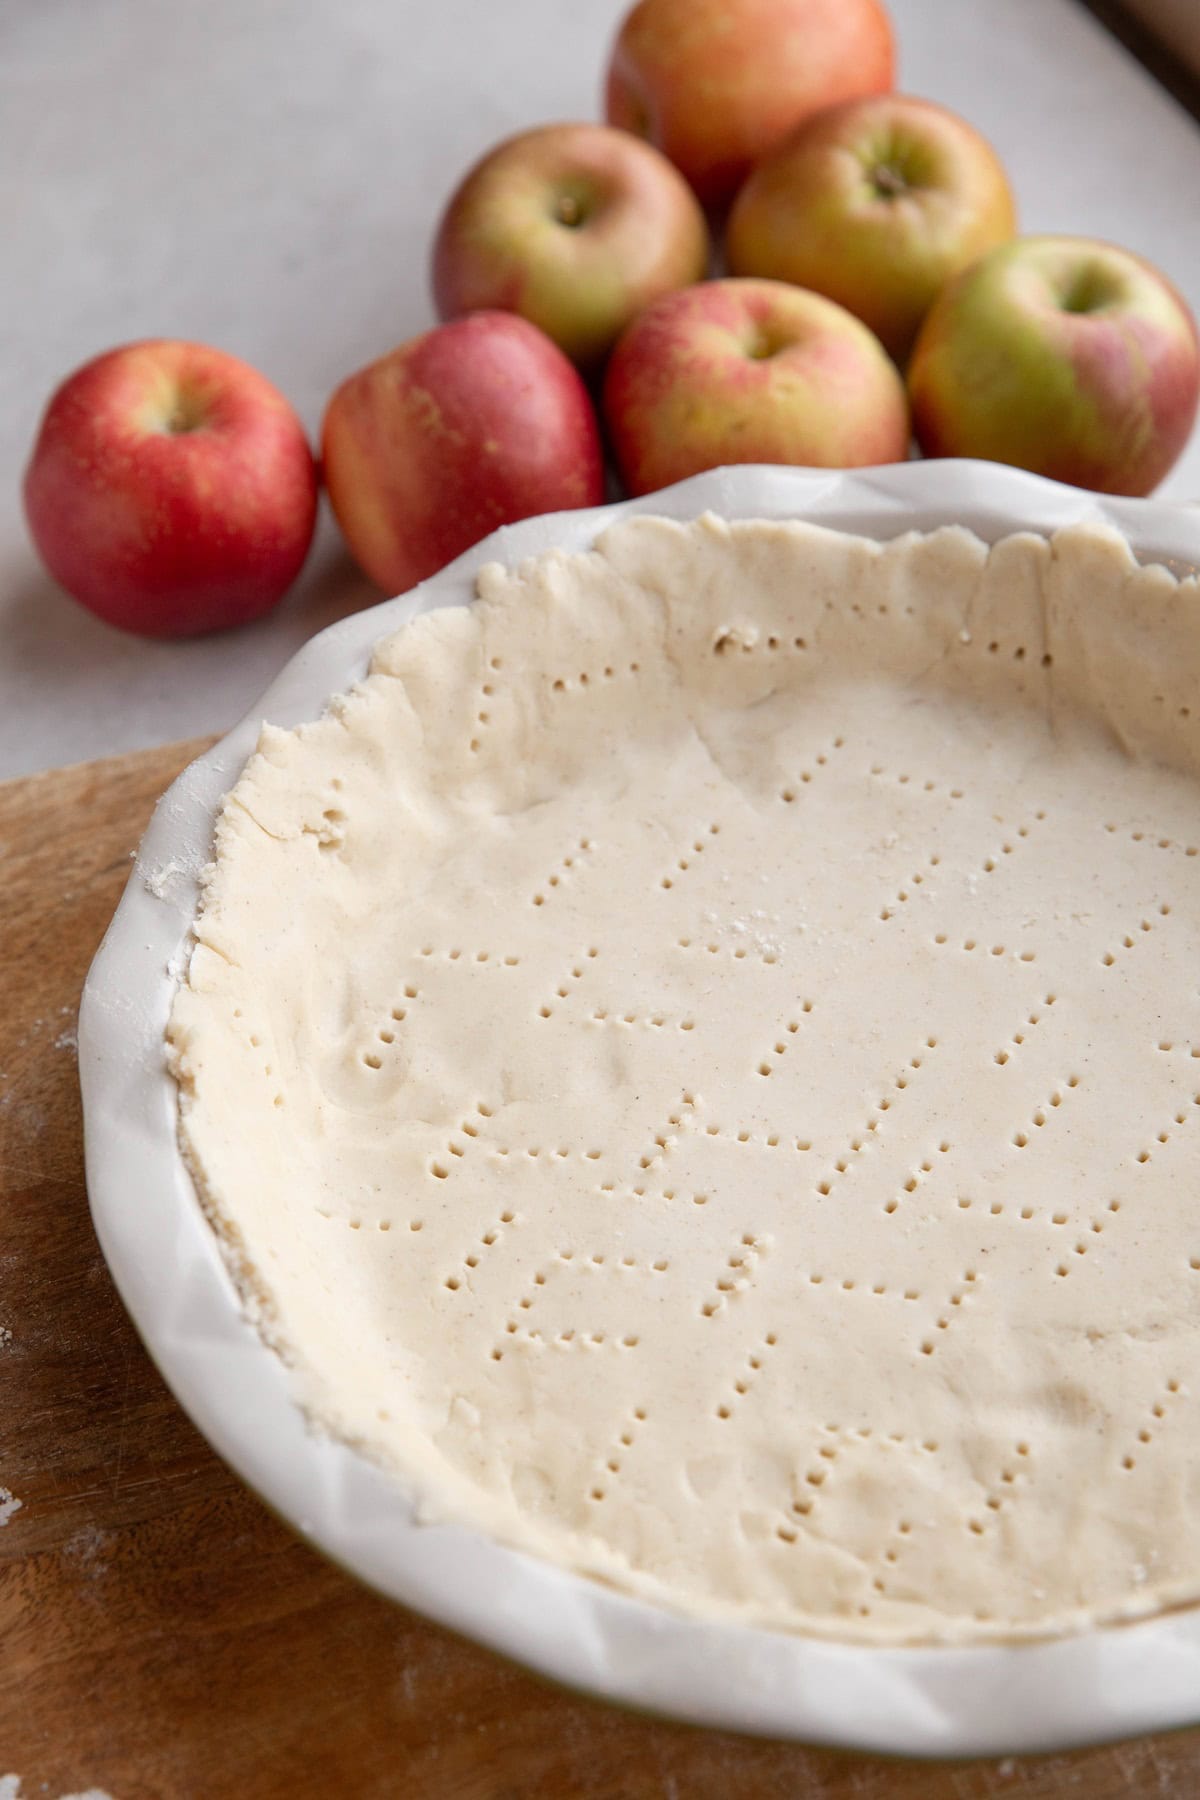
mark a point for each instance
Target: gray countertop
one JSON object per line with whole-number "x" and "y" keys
{"x": 267, "y": 178}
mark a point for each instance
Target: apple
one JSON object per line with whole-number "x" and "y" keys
{"x": 717, "y": 84}
{"x": 876, "y": 204}
{"x": 452, "y": 434}
{"x": 1063, "y": 355}
{"x": 171, "y": 489}
{"x": 575, "y": 227}
{"x": 750, "y": 372}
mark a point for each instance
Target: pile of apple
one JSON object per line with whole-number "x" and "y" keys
{"x": 877, "y": 292}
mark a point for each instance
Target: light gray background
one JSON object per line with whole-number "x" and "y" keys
{"x": 265, "y": 175}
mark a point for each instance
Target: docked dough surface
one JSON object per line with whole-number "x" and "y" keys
{"x": 695, "y": 1061}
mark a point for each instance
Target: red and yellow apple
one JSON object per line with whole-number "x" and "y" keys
{"x": 574, "y": 227}
{"x": 750, "y": 372}
{"x": 452, "y": 434}
{"x": 1062, "y": 355}
{"x": 876, "y": 204}
{"x": 717, "y": 84}
{"x": 171, "y": 489}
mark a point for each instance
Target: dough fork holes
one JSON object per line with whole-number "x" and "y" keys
{"x": 440, "y": 1168}
{"x": 1182, "y": 1117}
{"x": 1149, "y": 838}
{"x": 385, "y": 1034}
{"x": 745, "y": 1379}
{"x": 745, "y": 638}
{"x": 989, "y": 866}
{"x": 652, "y": 1021}
{"x": 663, "y": 1141}
{"x": 993, "y": 861}
{"x": 739, "y": 952}
{"x": 972, "y": 944}
{"x": 737, "y": 1275}
{"x": 585, "y": 847}
{"x": 879, "y": 1290}
{"x": 1002, "y": 1495}
{"x": 456, "y": 954}
{"x": 1032, "y": 1020}
{"x": 919, "y": 1174}
{"x": 875, "y": 1121}
{"x": 483, "y": 716}
{"x": 814, "y": 1479}
{"x": 625, "y": 1440}
{"x": 524, "y": 1303}
{"x": 902, "y": 778}
{"x": 487, "y": 1241}
{"x": 1021, "y": 1138}
{"x": 1157, "y": 1417}
{"x": 684, "y": 863}
{"x": 563, "y": 990}
{"x": 1131, "y": 939}
{"x": 820, "y": 761}
{"x": 1019, "y": 653}
{"x": 588, "y": 678}
{"x": 945, "y": 1319}
{"x": 572, "y": 1337}
{"x": 771, "y": 1140}
{"x": 903, "y": 895}
{"x": 780, "y": 1046}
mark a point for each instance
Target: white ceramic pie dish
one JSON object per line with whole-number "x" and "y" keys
{"x": 168, "y": 1268}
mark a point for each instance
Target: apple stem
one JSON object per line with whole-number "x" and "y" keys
{"x": 888, "y": 181}
{"x": 186, "y": 414}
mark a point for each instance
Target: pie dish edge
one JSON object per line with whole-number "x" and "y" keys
{"x": 168, "y": 1269}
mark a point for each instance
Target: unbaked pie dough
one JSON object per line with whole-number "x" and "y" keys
{"x": 696, "y": 1063}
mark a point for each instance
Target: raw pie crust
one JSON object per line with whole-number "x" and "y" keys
{"x": 696, "y": 1063}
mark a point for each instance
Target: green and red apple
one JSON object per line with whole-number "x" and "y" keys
{"x": 574, "y": 227}
{"x": 461, "y": 430}
{"x": 876, "y": 204}
{"x": 718, "y": 84}
{"x": 1063, "y": 355}
{"x": 171, "y": 489}
{"x": 750, "y": 372}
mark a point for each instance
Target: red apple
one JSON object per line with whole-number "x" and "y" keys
{"x": 875, "y": 204}
{"x": 716, "y": 84}
{"x": 171, "y": 489}
{"x": 750, "y": 372}
{"x": 575, "y": 227}
{"x": 458, "y": 431}
{"x": 1062, "y": 355}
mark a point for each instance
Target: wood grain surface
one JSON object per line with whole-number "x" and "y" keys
{"x": 162, "y": 1636}
{"x": 1176, "y": 22}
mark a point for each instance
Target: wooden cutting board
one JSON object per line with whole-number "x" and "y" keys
{"x": 162, "y": 1636}
{"x": 1176, "y": 22}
